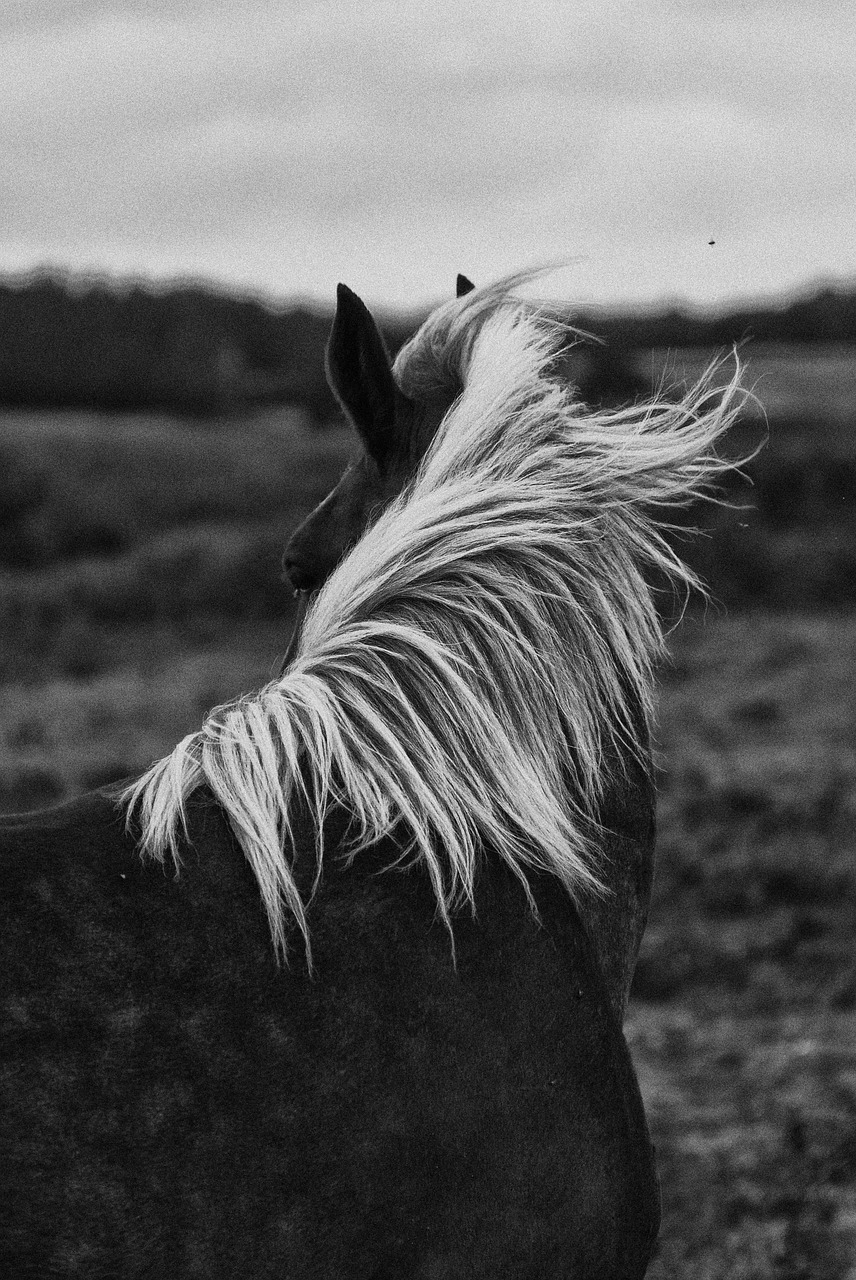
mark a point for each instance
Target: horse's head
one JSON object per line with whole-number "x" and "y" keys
{"x": 394, "y": 431}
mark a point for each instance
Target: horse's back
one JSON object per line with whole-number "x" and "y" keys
{"x": 177, "y": 1105}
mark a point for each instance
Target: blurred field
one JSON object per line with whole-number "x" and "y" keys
{"x": 743, "y": 1025}
{"x": 140, "y": 585}
{"x": 808, "y": 383}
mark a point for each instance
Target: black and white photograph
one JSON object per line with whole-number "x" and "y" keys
{"x": 427, "y": 640}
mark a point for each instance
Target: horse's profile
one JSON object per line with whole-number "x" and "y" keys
{"x": 434, "y": 1084}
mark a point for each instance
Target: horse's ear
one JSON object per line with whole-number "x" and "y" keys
{"x": 359, "y": 372}
{"x": 464, "y": 286}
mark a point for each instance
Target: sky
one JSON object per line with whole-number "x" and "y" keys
{"x": 283, "y": 145}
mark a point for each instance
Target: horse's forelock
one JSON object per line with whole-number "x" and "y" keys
{"x": 434, "y": 363}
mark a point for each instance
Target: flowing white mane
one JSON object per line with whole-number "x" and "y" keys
{"x": 462, "y": 675}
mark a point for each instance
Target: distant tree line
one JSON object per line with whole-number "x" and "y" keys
{"x": 69, "y": 341}
{"x": 827, "y": 315}
{"x": 186, "y": 348}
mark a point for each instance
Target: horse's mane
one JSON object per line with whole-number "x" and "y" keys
{"x": 487, "y": 644}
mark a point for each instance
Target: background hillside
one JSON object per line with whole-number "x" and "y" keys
{"x": 140, "y": 584}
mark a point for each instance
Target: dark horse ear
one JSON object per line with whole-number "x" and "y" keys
{"x": 359, "y": 372}
{"x": 465, "y": 286}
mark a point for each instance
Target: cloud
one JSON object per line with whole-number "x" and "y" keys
{"x": 290, "y": 142}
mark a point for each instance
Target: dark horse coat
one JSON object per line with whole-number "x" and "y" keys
{"x": 176, "y": 1105}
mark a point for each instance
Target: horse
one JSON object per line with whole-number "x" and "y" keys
{"x": 434, "y": 1083}
{"x": 395, "y": 413}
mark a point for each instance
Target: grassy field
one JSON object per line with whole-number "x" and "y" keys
{"x": 140, "y": 585}
{"x": 743, "y": 1025}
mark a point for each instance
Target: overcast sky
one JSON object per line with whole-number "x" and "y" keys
{"x": 284, "y": 145}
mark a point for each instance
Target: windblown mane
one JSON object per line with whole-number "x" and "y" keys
{"x": 464, "y": 673}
